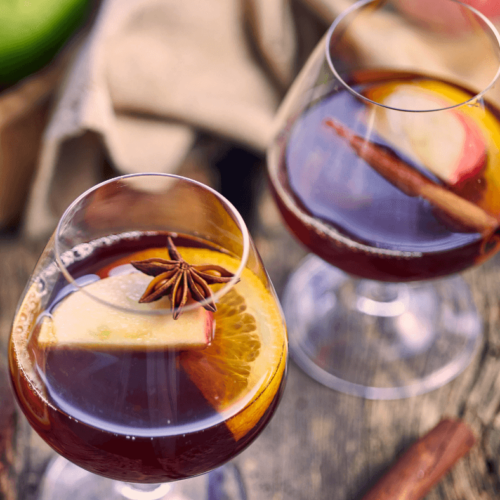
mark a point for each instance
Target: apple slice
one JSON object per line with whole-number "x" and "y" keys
{"x": 82, "y": 321}
{"x": 448, "y": 143}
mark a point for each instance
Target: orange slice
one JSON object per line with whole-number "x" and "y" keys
{"x": 222, "y": 370}
{"x": 241, "y": 371}
{"x": 233, "y": 370}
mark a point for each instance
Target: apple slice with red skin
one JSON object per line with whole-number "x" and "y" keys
{"x": 446, "y": 142}
{"x": 473, "y": 153}
{"x": 83, "y": 320}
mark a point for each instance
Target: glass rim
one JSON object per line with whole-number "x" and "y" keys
{"x": 58, "y": 254}
{"x": 361, "y": 3}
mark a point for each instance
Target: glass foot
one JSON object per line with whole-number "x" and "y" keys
{"x": 379, "y": 340}
{"x": 66, "y": 481}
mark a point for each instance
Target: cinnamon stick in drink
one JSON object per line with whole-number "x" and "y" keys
{"x": 459, "y": 212}
{"x": 424, "y": 463}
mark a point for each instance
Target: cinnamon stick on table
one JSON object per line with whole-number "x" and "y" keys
{"x": 424, "y": 463}
{"x": 460, "y": 212}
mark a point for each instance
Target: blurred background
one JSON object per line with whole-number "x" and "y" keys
{"x": 111, "y": 87}
{"x": 97, "y": 88}
{"x": 91, "y": 89}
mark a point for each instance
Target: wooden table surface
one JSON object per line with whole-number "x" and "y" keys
{"x": 321, "y": 444}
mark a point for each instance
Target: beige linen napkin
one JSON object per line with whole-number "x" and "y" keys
{"x": 150, "y": 73}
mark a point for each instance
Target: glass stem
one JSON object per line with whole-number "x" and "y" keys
{"x": 134, "y": 491}
{"x": 382, "y": 299}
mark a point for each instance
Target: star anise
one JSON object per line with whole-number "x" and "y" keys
{"x": 179, "y": 280}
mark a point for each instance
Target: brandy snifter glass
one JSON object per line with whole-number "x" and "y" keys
{"x": 126, "y": 389}
{"x": 385, "y": 164}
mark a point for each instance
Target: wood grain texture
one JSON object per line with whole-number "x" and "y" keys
{"x": 321, "y": 444}
{"x": 16, "y": 263}
{"x": 331, "y": 446}
{"x": 8, "y": 487}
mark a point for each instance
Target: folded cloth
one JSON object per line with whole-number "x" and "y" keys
{"x": 152, "y": 73}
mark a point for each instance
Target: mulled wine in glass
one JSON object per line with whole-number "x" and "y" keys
{"x": 386, "y": 164}
{"x": 149, "y": 345}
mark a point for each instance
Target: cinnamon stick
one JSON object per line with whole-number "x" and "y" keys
{"x": 459, "y": 212}
{"x": 424, "y": 463}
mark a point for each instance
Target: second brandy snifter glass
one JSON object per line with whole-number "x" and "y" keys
{"x": 117, "y": 381}
{"x": 385, "y": 163}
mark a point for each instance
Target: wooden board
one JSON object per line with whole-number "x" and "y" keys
{"x": 321, "y": 444}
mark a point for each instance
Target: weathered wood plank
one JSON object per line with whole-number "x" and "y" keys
{"x": 16, "y": 262}
{"x": 323, "y": 444}
{"x": 350, "y": 442}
